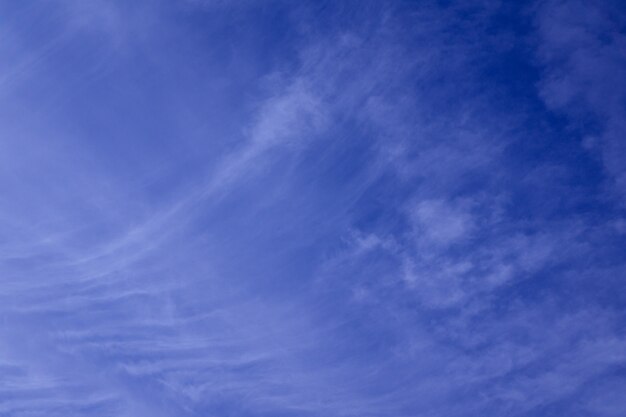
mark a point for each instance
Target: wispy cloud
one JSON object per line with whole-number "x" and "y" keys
{"x": 294, "y": 210}
{"x": 582, "y": 49}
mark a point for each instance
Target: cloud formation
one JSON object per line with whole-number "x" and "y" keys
{"x": 277, "y": 209}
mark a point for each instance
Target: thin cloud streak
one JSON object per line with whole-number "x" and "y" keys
{"x": 380, "y": 223}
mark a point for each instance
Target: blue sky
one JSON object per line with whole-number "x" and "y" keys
{"x": 293, "y": 209}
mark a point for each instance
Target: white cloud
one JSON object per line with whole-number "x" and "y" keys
{"x": 582, "y": 50}
{"x": 440, "y": 223}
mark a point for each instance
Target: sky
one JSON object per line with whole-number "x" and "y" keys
{"x": 316, "y": 208}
